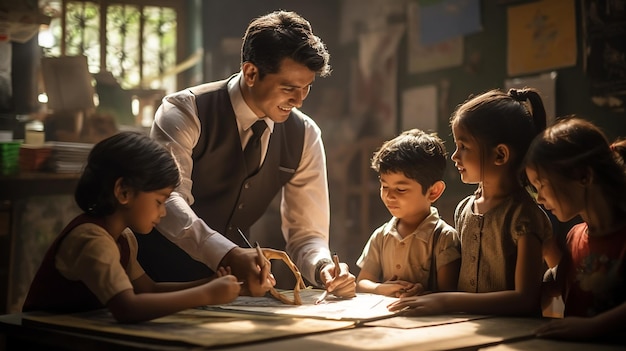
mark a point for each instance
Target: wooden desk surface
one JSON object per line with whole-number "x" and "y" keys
{"x": 489, "y": 333}
{"x": 551, "y": 345}
{"x": 14, "y": 335}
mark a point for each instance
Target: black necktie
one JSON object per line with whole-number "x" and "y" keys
{"x": 252, "y": 152}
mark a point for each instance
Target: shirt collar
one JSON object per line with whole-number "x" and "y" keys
{"x": 244, "y": 115}
{"x": 422, "y": 232}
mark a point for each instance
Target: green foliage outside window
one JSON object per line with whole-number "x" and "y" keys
{"x": 139, "y": 41}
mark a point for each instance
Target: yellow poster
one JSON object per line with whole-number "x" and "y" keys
{"x": 541, "y": 36}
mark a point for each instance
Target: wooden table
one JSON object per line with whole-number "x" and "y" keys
{"x": 425, "y": 333}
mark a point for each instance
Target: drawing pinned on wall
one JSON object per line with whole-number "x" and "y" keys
{"x": 541, "y": 36}
{"x": 374, "y": 82}
{"x": 419, "y": 108}
{"x": 426, "y": 58}
{"x": 364, "y": 16}
{"x": 442, "y": 20}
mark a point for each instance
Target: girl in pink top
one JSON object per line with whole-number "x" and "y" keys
{"x": 577, "y": 172}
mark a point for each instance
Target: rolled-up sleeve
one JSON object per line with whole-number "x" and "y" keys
{"x": 177, "y": 127}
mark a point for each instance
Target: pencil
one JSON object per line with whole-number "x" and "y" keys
{"x": 322, "y": 297}
{"x": 260, "y": 253}
{"x": 336, "y": 262}
{"x": 337, "y": 270}
{"x": 244, "y": 238}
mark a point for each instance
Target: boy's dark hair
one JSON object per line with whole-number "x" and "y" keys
{"x": 281, "y": 34}
{"x": 418, "y": 155}
{"x": 572, "y": 146}
{"x": 496, "y": 117}
{"x": 142, "y": 163}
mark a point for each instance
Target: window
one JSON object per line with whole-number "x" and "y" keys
{"x": 136, "y": 41}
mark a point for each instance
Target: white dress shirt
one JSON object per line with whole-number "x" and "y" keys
{"x": 305, "y": 209}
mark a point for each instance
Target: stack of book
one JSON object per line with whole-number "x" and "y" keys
{"x": 68, "y": 157}
{"x": 9, "y": 156}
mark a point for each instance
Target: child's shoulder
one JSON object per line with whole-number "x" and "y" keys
{"x": 86, "y": 232}
{"x": 465, "y": 203}
{"x": 525, "y": 206}
{"x": 444, "y": 226}
{"x": 130, "y": 237}
{"x": 577, "y": 230}
{"x": 384, "y": 228}
{"x": 526, "y": 216}
{"x": 466, "y": 200}
{"x": 86, "y": 240}
{"x": 445, "y": 230}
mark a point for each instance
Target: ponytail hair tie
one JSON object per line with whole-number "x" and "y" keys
{"x": 517, "y": 95}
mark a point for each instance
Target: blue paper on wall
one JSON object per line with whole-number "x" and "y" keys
{"x": 447, "y": 19}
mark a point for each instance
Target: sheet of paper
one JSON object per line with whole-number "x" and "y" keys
{"x": 193, "y": 326}
{"x": 419, "y": 108}
{"x": 360, "y": 308}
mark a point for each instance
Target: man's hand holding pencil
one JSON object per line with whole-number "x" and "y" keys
{"x": 337, "y": 279}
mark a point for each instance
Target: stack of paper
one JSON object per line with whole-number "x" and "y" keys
{"x": 69, "y": 157}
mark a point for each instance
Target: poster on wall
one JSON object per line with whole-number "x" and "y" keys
{"x": 419, "y": 108}
{"x": 374, "y": 82}
{"x": 426, "y": 58}
{"x": 541, "y": 36}
{"x": 605, "y": 43}
{"x": 362, "y": 16}
{"x": 441, "y": 20}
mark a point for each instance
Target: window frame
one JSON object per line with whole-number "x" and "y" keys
{"x": 181, "y": 18}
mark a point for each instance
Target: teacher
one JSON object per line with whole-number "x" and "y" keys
{"x": 239, "y": 142}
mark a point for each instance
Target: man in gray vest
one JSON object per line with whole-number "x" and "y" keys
{"x": 239, "y": 142}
